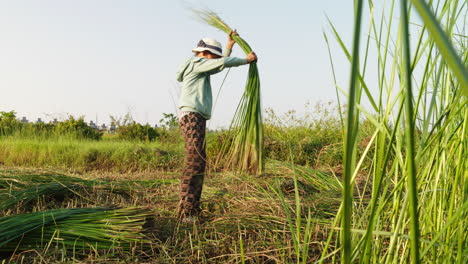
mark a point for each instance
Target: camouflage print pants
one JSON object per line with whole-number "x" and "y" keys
{"x": 193, "y": 127}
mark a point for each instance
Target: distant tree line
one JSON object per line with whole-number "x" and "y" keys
{"x": 77, "y": 128}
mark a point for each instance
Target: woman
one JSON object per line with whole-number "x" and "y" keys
{"x": 195, "y": 108}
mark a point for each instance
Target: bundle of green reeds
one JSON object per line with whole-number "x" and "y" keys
{"x": 75, "y": 228}
{"x": 244, "y": 150}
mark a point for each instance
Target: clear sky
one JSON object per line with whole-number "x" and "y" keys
{"x": 106, "y": 57}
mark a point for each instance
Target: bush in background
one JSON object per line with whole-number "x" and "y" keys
{"x": 8, "y": 123}
{"x": 77, "y": 128}
{"x": 169, "y": 129}
{"x": 136, "y": 131}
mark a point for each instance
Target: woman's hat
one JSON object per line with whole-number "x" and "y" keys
{"x": 210, "y": 45}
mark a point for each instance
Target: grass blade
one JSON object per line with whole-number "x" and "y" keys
{"x": 409, "y": 132}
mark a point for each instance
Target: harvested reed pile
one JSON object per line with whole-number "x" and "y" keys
{"x": 76, "y": 228}
{"x": 244, "y": 150}
{"x": 32, "y": 193}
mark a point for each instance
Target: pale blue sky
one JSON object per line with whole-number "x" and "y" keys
{"x": 102, "y": 57}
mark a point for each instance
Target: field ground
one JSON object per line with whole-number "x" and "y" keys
{"x": 243, "y": 217}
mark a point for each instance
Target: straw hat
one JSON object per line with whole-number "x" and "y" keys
{"x": 210, "y": 45}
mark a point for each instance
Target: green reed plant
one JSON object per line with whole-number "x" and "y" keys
{"x": 294, "y": 196}
{"x": 245, "y": 150}
{"x": 241, "y": 245}
{"x": 443, "y": 42}
{"x": 416, "y": 209}
{"x": 409, "y": 133}
{"x": 351, "y": 129}
{"x": 298, "y": 226}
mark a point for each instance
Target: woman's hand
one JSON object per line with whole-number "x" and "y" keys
{"x": 231, "y": 41}
{"x": 251, "y": 57}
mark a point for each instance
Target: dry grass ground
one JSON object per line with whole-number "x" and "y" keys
{"x": 243, "y": 217}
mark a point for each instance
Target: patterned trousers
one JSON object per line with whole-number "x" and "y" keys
{"x": 193, "y": 127}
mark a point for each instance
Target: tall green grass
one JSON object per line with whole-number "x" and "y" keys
{"x": 309, "y": 139}
{"x": 89, "y": 155}
{"x": 314, "y": 143}
{"x": 416, "y": 211}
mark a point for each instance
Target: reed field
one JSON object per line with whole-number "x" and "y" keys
{"x": 96, "y": 182}
{"x": 379, "y": 176}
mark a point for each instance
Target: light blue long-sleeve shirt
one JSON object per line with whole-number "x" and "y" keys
{"x": 195, "y": 74}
